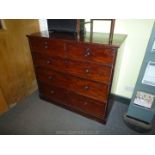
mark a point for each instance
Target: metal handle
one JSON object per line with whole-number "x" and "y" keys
{"x": 86, "y": 87}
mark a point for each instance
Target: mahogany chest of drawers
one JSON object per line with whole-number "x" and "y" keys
{"x": 74, "y": 73}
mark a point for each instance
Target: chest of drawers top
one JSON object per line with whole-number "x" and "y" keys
{"x": 98, "y": 38}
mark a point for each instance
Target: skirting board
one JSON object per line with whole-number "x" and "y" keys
{"x": 120, "y": 99}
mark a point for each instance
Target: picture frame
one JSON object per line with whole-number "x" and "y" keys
{"x": 112, "y": 26}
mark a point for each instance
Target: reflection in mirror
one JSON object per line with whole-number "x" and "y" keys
{"x": 104, "y": 26}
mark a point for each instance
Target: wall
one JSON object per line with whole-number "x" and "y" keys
{"x": 17, "y": 78}
{"x": 130, "y": 54}
{"x": 129, "y": 64}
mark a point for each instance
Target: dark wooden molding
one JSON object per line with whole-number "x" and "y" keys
{"x": 1, "y": 26}
{"x": 111, "y": 30}
{"x": 112, "y": 26}
{"x": 120, "y": 99}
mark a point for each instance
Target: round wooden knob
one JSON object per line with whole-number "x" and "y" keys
{"x": 50, "y": 77}
{"x": 87, "y": 71}
{"x": 52, "y": 91}
{"x": 85, "y": 103}
{"x": 48, "y": 61}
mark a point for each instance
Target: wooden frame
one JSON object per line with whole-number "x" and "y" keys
{"x": 111, "y": 28}
{"x": 78, "y": 28}
{"x": 1, "y": 26}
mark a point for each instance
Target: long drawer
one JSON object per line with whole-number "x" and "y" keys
{"x": 73, "y": 100}
{"x": 100, "y": 73}
{"x": 91, "y": 52}
{"x": 94, "y": 90}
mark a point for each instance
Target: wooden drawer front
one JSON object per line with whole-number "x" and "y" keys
{"x": 84, "y": 87}
{"x": 73, "y": 100}
{"x": 95, "y": 53}
{"x": 87, "y": 70}
{"x": 91, "y": 71}
{"x": 54, "y": 93}
{"x": 87, "y": 105}
{"x": 48, "y": 47}
{"x": 47, "y": 62}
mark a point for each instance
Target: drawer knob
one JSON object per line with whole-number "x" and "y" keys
{"x": 85, "y": 103}
{"x": 48, "y": 61}
{"x": 87, "y": 70}
{"x": 86, "y": 87}
{"x": 46, "y": 46}
{"x": 50, "y": 77}
{"x": 52, "y": 91}
{"x": 66, "y": 61}
{"x": 87, "y": 53}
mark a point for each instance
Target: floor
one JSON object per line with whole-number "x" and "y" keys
{"x": 33, "y": 116}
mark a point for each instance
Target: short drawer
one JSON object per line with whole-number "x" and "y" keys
{"x": 96, "y": 72}
{"x": 41, "y": 60}
{"x": 54, "y": 93}
{"x": 95, "y": 53}
{"x": 46, "y": 46}
{"x": 81, "y": 86}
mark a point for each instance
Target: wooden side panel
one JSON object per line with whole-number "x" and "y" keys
{"x": 17, "y": 78}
